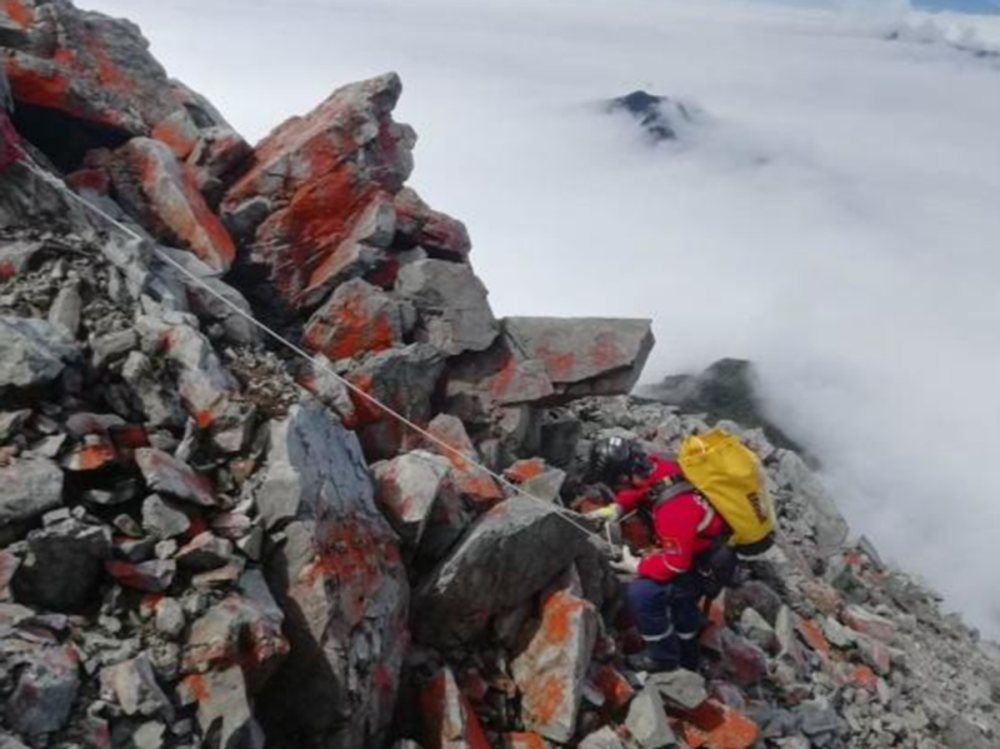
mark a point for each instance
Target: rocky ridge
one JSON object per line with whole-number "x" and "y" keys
{"x": 207, "y": 541}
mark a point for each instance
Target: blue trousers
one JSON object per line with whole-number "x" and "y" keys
{"x": 668, "y": 618}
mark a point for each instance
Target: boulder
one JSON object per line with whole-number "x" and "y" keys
{"x": 419, "y": 225}
{"x": 45, "y": 691}
{"x": 358, "y": 319}
{"x": 205, "y": 552}
{"x": 64, "y": 565}
{"x": 455, "y": 315}
{"x": 29, "y": 487}
{"x": 682, "y": 689}
{"x": 332, "y": 172}
{"x": 480, "y": 383}
{"x": 513, "y": 552}
{"x": 404, "y": 379}
{"x": 162, "y": 194}
{"x": 35, "y": 352}
{"x": 163, "y": 519}
{"x": 550, "y": 671}
{"x": 448, "y": 720}
{"x": 420, "y": 501}
{"x": 339, "y": 579}
{"x": 476, "y": 486}
{"x": 82, "y": 80}
{"x": 584, "y": 356}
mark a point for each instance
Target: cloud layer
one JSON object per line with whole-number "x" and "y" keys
{"x": 833, "y": 216}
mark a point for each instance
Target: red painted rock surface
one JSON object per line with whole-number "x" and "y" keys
{"x": 551, "y": 670}
{"x": 162, "y": 194}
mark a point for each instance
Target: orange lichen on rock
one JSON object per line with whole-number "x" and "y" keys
{"x": 617, "y": 691}
{"x": 717, "y": 726}
{"x": 525, "y": 470}
{"x": 813, "y": 636}
{"x": 18, "y": 13}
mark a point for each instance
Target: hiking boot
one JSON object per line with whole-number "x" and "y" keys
{"x": 649, "y": 664}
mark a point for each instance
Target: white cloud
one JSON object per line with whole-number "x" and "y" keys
{"x": 836, "y": 220}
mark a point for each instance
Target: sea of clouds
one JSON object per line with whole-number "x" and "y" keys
{"x": 832, "y": 215}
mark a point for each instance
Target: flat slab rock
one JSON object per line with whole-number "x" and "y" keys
{"x": 585, "y": 355}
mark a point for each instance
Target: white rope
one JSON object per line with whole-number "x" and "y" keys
{"x": 468, "y": 459}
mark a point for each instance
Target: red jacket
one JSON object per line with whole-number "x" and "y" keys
{"x": 685, "y": 526}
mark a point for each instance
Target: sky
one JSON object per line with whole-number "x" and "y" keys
{"x": 831, "y": 212}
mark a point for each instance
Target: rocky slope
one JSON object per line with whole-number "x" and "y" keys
{"x": 207, "y": 540}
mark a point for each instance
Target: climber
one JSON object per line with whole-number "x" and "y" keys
{"x": 9, "y": 149}
{"x": 665, "y": 598}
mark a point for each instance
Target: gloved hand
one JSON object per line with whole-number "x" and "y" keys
{"x": 608, "y": 514}
{"x": 629, "y": 563}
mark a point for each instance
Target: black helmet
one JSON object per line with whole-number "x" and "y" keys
{"x": 613, "y": 457}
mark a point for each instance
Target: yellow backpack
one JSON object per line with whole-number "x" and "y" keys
{"x": 731, "y": 478}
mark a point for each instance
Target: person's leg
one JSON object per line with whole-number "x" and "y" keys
{"x": 649, "y": 602}
{"x": 686, "y": 614}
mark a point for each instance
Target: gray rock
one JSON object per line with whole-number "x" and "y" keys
{"x": 419, "y": 500}
{"x": 64, "y": 565}
{"x": 584, "y": 356}
{"x": 606, "y": 738}
{"x": 132, "y": 684}
{"x": 816, "y": 717}
{"x": 339, "y": 579}
{"x": 681, "y": 688}
{"x": 205, "y": 304}
{"x": 168, "y": 475}
{"x": 67, "y": 308}
{"x": 404, "y": 379}
{"x": 455, "y": 315}
{"x": 112, "y": 346}
{"x": 160, "y": 406}
{"x": 205, "y": 552}
{"x": 163, "y": 519}
{"x": 29, "y": 487}
{"x": 647, "y": 720}
{"x": 961, "y": 733}
{"x": 155, "y": 576}
{"x": 46, "y": 691}
{"x": 169, "y": 618}
{"x": 34, "y": 352}
{"x": 511, "y": 554}
{"x": 12, "y": 423}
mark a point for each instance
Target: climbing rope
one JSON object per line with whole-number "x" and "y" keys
{"x": 470, "y": 460}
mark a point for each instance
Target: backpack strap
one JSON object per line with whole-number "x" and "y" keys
{"x": 669, "y": 490}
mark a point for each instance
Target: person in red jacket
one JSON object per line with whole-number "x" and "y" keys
{"x": 664, "y": 599}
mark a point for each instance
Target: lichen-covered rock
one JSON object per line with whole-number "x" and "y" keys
{"x": 339, "y": 579}
{"x": 584, "y": 356}
{"x": 161, "y": 192}
{"x": 419, "y": 225}
{"x": 358, "y": 319}
{"x": 551, "y": 669}
{"x": 512, "y": 553}
{"x": 332, "y": 172}
{"x": 449, "y": 721}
